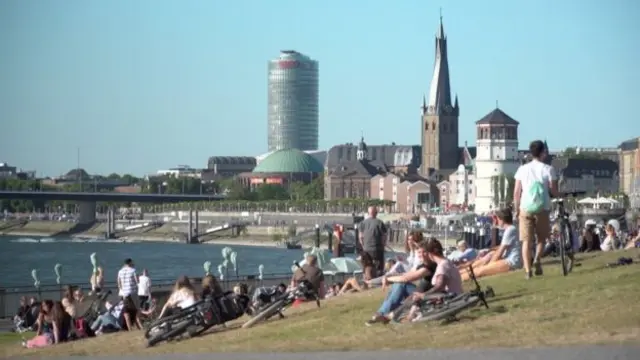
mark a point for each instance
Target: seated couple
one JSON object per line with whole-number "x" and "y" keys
{"x": 436, "y": 274}
{"x": 507, "y": 257}
{"x": 115, "y": 318}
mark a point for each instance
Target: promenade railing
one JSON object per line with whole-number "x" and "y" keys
{"x": 10, "y": 296}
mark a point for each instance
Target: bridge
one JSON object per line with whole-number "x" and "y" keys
{"x": 87, "y": 201}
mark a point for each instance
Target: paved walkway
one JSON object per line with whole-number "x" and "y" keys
{"x": 567, "y": 353}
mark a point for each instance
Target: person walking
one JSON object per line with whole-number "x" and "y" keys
{"x": 535, "y": 182}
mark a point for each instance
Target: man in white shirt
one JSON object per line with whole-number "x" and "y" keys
{"x": 127, "y": 289}
{"x": 535, "y": 181}
{"x": 144, "y": 289}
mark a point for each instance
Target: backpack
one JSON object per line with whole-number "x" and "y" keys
{"x": 533, "y": 200}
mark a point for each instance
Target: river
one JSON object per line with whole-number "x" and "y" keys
{"x": 164, "y": 260}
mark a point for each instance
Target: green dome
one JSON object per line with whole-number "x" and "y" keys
{"x": 289, "y": 161}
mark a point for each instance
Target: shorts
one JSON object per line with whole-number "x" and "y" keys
{"x": 534, "y": 226}
{"x": 129, "y": 305}
{"x": 377, "y": 256}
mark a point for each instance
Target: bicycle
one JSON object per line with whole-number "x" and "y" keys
{"x": 440, "y": 306}
{"x": 565, "y": 238}
{"x": 304, "y": 290}
{"x": 198, "y": 318}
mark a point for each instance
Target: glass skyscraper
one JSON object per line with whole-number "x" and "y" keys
{"x": 293, "y": 102}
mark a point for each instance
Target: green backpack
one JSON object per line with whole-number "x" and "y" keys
{"x": 533, "y": 199}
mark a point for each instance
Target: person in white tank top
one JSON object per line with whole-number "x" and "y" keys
{"x": 144, "y": 289}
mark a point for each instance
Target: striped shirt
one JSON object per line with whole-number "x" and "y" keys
{"x": 127, "y": 281}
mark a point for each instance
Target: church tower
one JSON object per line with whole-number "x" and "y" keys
{"x": 440, "y": 149}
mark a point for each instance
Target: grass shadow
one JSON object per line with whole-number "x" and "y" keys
{"x": 501, "y": 298}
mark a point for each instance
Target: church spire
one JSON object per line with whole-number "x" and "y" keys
{"x": 440, "y": 91}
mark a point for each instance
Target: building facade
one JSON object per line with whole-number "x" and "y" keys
{"x": 283, "y": 167}
{"x": 293, "y": 102}
{"x": 593, "y": 176}
{"x": 440, "y": 130}
{"x": 352, "y": 179}
{"x": 462, "y": 187}
{"x": 398, "y": 159}
{"x": 410, "y": 194}
{"x": 629, "y": 160}
{"x": 497, "y": 155}
{"x": 220, "y": 167}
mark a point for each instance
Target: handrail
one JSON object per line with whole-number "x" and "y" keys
{"x": 154, "y": 282}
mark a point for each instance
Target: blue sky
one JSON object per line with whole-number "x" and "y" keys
{"x": 149, "y": 84}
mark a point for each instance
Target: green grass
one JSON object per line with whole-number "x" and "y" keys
{"x": 593, "y": 305}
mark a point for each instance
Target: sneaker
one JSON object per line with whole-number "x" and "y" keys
{"x": 538, "y": 269}
{"x": 528, "y": 275}
{"x": 377, "y": 319}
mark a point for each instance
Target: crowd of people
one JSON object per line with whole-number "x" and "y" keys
{"x": 424, "y": 269}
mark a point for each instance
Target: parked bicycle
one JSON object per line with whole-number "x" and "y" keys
{"x": 565, "y": 239}
{"x": 304, "y": 291}
{"x": 441, "y": 306}
{"x": 198, "y": 318}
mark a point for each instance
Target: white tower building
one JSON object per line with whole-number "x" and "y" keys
{"x": 496, "y": 155}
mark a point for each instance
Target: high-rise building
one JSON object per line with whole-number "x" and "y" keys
{"x": 440, "y": 150}
{"x": 293, "y": 102}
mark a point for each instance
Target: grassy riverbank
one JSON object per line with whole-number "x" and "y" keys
{"x": 593, "y": 305}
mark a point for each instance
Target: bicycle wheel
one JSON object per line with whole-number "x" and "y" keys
{"x": 171, "y": 333}
{"x": 265, "y": 314}
{"x": 565, "y": 236}
{"x": 450, "y": 309}
{"x": 160, "y": 323}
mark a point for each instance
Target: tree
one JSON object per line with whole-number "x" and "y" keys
{"x": 311, "y": 191}
{"x": 268, "y": 192}
{"x": 503, "y": 186}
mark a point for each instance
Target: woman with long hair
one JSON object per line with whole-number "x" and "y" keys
{"x": 508, "y": 256}
{"x": 68, "y": 301}
{"x": 211, "y": 286}
{"x": 610, "y": 241}
{"x": 54, "y": 325}
{"x": 182, "y": 297}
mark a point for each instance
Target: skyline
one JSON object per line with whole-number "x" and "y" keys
{"x": 71, "y": 70}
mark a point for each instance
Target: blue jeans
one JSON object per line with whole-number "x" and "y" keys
{"x": 395, "y": 297}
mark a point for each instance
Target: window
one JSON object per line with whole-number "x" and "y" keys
{"x": 423, "y": 198}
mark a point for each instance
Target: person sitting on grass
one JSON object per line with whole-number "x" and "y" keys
{"x": 508, "y": 256}
{"x": 445, "y": 279}
{"x": 182, "y": 297}
{"x": 265, "y": 295}
{"x": 463, "y": 254}
{"x": 402, "y": 286}
{"x": 112, "y": 320}
{"x": 634, "y": 242}
{"x": 355, "y": 284}
{"x": 610, "y": 241}
{"x": 54, "y": 325}
{"x": 334, "y": 290}
{"x": 211, "y": 287}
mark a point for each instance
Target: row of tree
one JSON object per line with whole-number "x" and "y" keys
{"x": 238, "y": 195}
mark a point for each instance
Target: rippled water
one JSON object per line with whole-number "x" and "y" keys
{"x": 19, "y": 255}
